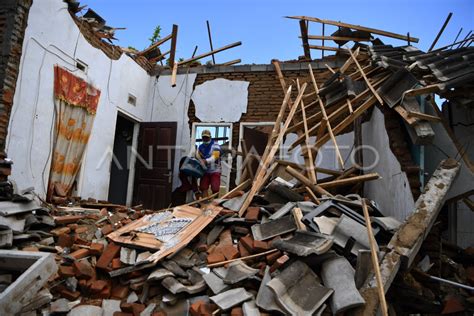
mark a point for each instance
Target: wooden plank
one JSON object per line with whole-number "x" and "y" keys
{"x": 314, "y": 198}
{"x": 347, "y": 121}
{"x": 347, "y": 181}
{"x": 242, "y": 186}
{"x": 349, "y": 61}
{"x": 190, "y": 60}
{"x": 298, "y": 215}
{"x": 160, "y": 57}
{"x": 174, "y": 73}
{"x": 271, "y": 153}
{"x": 318, "y": 169}
{"x": 330, "y": 69}
{"x": 339, "y": 112}
{"x": 375, "y": 260}
{"x": 440, "y": 31}
{"x": 365, "y": 77}
{"x": 174, "y": 40}
{"x": 304, "y": 39}
{"x": 411, "y": 120}
{"x": 312, "y": 173}
{"x": 307, "y": 182}
{"x": 247, "y": 164}
{"x": 424, "y": 116}
{"x": 333, "y": 49}
{"x": 231, "y": 62}
{"x": 152, "y": 47}
{"x": 338, "y": 38}
{"x": 349, "y": 106}
{"x": 210, "y": 41}
{"x": 420, "y": 91}
{"x": 182, "y": 238}
{"x": 357, "y": 27}
{"x": 328, "y": 123}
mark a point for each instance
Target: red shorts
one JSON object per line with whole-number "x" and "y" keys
{"x": 213, "y": 179}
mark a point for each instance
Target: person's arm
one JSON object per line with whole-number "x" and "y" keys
{"x": 216, "y": 154}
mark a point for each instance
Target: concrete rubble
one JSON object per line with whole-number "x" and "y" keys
{"x": 290, "y": 239}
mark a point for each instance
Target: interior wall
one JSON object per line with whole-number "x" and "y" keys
{"x": 392, "y": 192}
{"x": 31, "y": 123}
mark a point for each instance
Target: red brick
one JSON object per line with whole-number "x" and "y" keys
{"x": 225, "y": 238}
{"x": 236, "y": 311}
{"x": 215, "y": 257}
{"x": 83, "y": 269}
{"x": 72, "y": 296}
{"x": 65, "y": 240}
{"x": 107, "y": 229}
{"x": 68, "y": 219}
{"x": 271, "y": 258}
{"x": 116, "y": 264}
{"x": 110, "y": 252}
{"x": 122, "y": 314}
{"x": 133, "y": 308}
{"x": 73, "y": 226}
{"x": 194, "y": 309}
{"x": 452, "y": 305}
{"x": 242, "y": 250}
{"x": 279, "y": 262}
{"x": 247, "y": 242}
{"x": 81, "y": 253}
{"x": 229, "y": 252}
{"x": 261, "y": 246}
{"x": 96, "y": 248}
{"x": 252, "y": 213}
{"x": 97, "y": 286}
{"x": 66, "y": 271}
{"x": 105, "y": 293}
{"x": 119, "y": 292}
{"x": 60, "y": 231}
{"x": 81, "y": 229}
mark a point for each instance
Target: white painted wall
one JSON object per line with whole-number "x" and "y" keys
{"x": 392, "y": 192}
{"x": 221, "y": 100}
{"x": 53, "y": 38}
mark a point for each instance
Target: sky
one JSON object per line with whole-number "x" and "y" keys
{"x": 264, "y": 31}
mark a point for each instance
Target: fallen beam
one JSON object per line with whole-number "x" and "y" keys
{"x": 406, "y": 243}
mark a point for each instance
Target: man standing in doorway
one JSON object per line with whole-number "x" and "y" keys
{"x": 209, "y": 153}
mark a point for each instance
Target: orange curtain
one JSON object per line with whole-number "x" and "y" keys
{"x": 76, "y": 104}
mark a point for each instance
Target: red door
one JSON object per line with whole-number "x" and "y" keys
{"x": 154, "y": 164}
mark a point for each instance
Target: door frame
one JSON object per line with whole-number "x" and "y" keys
{"x": 241, "y": 135}
{"x": 133, "y": 156}
{"x": 193, "y": 142}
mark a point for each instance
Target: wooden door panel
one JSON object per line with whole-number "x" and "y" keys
{"x": 156, "y": 147}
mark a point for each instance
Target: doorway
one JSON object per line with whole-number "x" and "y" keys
{"x": 120, "y": 167}
{"x": 222, "y": 134}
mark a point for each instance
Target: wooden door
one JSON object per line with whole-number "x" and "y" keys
{"x": 154, "y": 164}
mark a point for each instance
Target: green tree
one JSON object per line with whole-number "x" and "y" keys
{"x": 156, "y": 35}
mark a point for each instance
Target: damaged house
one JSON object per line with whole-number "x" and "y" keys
{"x": 346, "y": 188}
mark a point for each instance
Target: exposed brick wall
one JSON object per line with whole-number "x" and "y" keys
{"x": 265, "y": 94}
{"x": 13, "y": 21}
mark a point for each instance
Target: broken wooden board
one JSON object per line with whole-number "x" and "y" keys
{"x": 406, "y": 243}
{"x": 202, "y": 217}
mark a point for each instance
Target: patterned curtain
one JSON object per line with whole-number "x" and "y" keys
{"x": 76, "y": 104}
